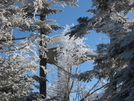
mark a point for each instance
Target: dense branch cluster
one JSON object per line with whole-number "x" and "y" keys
{"x": 115, "y": 60}
{"x": 19, "y": 58}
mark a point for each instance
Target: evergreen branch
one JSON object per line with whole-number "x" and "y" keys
{"x": 16, "y": 39}
{"x": 3, "y": 51}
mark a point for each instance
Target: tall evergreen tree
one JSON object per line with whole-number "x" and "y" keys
{"x": 115, "y": 60}
{"x": 25, "y": 16}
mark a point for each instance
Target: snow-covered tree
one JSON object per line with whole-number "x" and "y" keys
{"x": 115, "y": 60}
{"x": 69, "y": 53}
{"x": 18, "y": 57}
{"x": 15, "y": 82}
{"x": 73, "y": 53}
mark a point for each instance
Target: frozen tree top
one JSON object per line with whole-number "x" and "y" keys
{"x": 61, "y": 41}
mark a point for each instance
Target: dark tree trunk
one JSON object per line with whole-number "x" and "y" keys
{"x": 43, "y": 62}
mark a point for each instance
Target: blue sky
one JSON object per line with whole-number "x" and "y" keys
{"x": 69, "y": 16}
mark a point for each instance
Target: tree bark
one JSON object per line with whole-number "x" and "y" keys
{"x": 43, "y": 62}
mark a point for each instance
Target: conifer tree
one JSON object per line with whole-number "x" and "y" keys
{"x": 25, "y": 16}
{"x": 115, "y": 59}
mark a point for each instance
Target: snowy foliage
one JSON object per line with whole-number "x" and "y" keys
{"x": 115, "y": 60}
{"x": 19, "y": 59}
{"x": 15, "y": 84}
{"x": 73, "y": 52}
{"x": 70, "y": 52}
{"x": 67, "y": 2}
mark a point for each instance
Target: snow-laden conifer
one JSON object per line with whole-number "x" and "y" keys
{"x": 115, "y": 59}
{"x": 19, "y": 56}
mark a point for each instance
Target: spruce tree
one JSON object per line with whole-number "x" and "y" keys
{"x": 115, "y": 59}
{"x": 26, "y": 16}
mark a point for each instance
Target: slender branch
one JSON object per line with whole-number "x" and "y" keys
{"x": 72, "y": 82}
{"x": 16, "y": 39}
{"x": 88, "y": 94}
{"x": 2, "y": 51}
{"x": 97, "y": 90}
{"x": 20, "y": 38}
{"x": 93, "y": 91}
{"x": 60, "y": 67}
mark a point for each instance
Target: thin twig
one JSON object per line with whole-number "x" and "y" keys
{"x": 2, "y": 51}
{"x": 88, "y": 94}
{"x": 61, "y": 68}
{"x": 15, "y": 39}
{"x": 93, "y": 92}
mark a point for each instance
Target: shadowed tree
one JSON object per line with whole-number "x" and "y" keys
{"x": 114, "y": 62}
